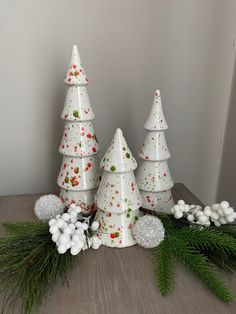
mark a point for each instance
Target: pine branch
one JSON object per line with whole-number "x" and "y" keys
{"x": 199, "y": 264}
{"x": 206, "y": 238}
{"x": 228, "y": 229}
{"x": 171, "y": 224}
{"x": 163, "y": 267}
{"x": 226, "y": 263}
{"x": 30, "y": 264}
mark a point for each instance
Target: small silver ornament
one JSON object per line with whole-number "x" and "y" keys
{"x": 148, "y": 231}
{"x": 48, "y": 206}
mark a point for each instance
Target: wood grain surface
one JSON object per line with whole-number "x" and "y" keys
{"x": 120, "y": 281}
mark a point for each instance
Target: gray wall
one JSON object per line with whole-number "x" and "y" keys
{"x": 226, "y": 186}
{"x": 128, "y": 48}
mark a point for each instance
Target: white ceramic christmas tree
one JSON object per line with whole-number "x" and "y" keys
{"x": 79, "y": 174}
{"x": 118, "y": 197}
{"x": 153, "y": 175}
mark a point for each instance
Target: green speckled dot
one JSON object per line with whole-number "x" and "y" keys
{"x": 76, "y": 113}
{"x": 127, "y": 215}
{"x": 136, "y": 218}
{"x": 113, "y": 168}
{"x": 129, "y": 210}
{"x": 127, "y": 155}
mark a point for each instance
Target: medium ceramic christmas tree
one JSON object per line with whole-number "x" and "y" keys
{"x": 79, "y": 174}
{"x": 153, "y": 175}
{"x": 118, "y": 197}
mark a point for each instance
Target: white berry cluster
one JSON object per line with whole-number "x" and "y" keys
{"x": 71, "y": 231}
{"x": 219, "y": 214}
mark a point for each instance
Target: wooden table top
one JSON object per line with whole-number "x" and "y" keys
{"x": 120, "y": 281}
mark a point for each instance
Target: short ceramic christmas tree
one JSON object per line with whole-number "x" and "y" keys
{"x": 79, "y": 174}
{"x": 153, "y": 175}
{"x": 118, "y": 197}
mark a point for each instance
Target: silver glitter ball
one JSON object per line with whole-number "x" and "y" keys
{"x": 148, "y": 231}
{"x": 48, "y": 206}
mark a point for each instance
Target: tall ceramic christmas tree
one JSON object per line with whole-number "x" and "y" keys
{"x": 79, "y": 174}
{"x": 153, "y": 175}
{"x": 118, "y": 197}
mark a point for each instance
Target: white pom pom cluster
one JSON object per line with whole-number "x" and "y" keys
{"x": 48, "y": 206}
{"x": 71, "y": 231}
{"x": 219, "y": 214}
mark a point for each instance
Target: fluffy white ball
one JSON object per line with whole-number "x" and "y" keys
{"x": 62, "y": 249}
{"x": 187, "y": 208}
{"x": 75, "y": 250}
{"x": 64, "y": 238}
{"x": 224, "y": 204}
{"x": 222, "y": 220}
{"x": 76, "y": 237}
{"x": 214, "y": 216}
{"x": 207, "y": 211}
{"x": 95, "y": 225}
{"x": 178, "y": 214}
{"x": 230, "y": 218}
{"x": 227, "y": 211}
{"x": 203, "y": 219}
{"x": 215, "y": 206}
{"x": 52, "y": 222}
{"x": 84, "y": 226}
{"x": 65, "y": 217}
{"x": 68, "y": 230}
{"x": 190, "y": 217}
{"x": 55, "y": 237}
{"x": 60, "y": 223}
{"x": 176, "y": 207}
{"x": 207, "y": 223}
{"x": 48, "y": 206}
{"x": 96, "y": 242}
{"x": 53, "y": 229}
{"x": 148, "y": 231}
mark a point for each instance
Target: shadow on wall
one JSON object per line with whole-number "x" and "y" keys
{"x": 226, "y": 184}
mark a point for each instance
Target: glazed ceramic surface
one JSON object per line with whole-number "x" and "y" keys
{"x": 76, "y": 74}
{"x": 118, "y": 157}
{"x": 84, "y": 199}
{"x": 154, "y": 147}
{"x": 79, "y": 174}
{"x": 118, "y": 192}
{"x": 158, "y": 201}
{"x": 154, "y": 176}
{"x": 77, "y": 105}
{"x": 79, "y": 139}
{"x": 156, "y": 120}
{"x": 115, "y": 230}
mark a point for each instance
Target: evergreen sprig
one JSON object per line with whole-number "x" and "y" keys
{"x": 30, "y": 265}
{"x": 201, "y": 249}
{"x": 164, "y": 267}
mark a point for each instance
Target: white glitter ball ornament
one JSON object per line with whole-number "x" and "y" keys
{"x": 48, "y": 207}
{"x": 148, "y": 232}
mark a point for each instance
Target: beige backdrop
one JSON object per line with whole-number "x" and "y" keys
{"x": 128, "y": 48}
